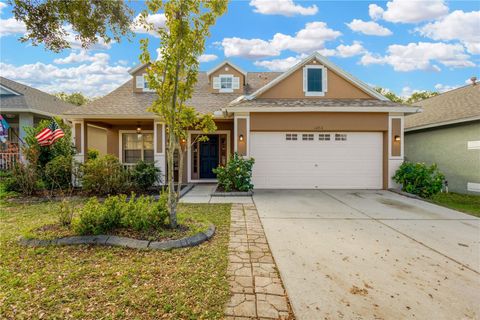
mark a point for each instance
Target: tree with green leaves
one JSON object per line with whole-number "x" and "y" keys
{"x": 421, "y": 95}
{"x": 389, "y": 94}
{"x": 76, "y": 98}
{"x": 174, "y": 75}
{"x": 49, "y": 21}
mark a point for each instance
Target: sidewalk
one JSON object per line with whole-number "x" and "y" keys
{"x": 201, "y": 193}
{"x": 257, "y": 290}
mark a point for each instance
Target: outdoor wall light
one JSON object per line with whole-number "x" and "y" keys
{"x": 183, "y": 140}
{"x": 397, "y": 138}
{"x": 241, "y": 137}
{"x": 139, "y": 130}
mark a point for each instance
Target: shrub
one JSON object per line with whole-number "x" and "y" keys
{"x": 236, "y": 175}
{"x": 65, "y": 213}
{"x": 58, "y": 172}
{"x": 96, "y": 218}
{"x": 143, "y": 213}
{"x": 24, "y": 179}
{"x": 420, "y": 179}
{"x": 145, "y": 175}
{"x": 93, "y": 154}
{"x": 104, "y": 175}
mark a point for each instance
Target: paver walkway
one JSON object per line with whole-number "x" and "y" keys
{"x": 257, "y": 291}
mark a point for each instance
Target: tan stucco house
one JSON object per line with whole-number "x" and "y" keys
{"x": 313, "y": 126}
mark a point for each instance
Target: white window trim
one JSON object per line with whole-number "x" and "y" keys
{"x": 155, "y": 151}
{"x": 230, "y": 76}
{"x": 324, "y": 81}
{"x": 189, "y": 153}
{"x": 147, "y": 89}
{"x": 120, "y": 144}
{"x": 402, "y": 138}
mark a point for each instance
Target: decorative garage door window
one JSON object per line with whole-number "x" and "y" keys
{"x": 324, "y": 137}
{"x": 340, "y": 137}
{"x": 291, "y": 137}
{"x": 307, "y": 137}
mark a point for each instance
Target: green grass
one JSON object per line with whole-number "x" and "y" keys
{"x": 88, "y": 282}
{"x": 462, "y": 202}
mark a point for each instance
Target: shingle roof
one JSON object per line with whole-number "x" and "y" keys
{"x": 457, "y": 104}
{"x": 31, "y": 99}
{"x": 123, "y": 101}
{"x": 289, "y": 103}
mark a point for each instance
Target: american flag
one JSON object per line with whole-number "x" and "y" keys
{"x": 50, "y": 134}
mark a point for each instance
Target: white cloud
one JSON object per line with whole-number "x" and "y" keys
{"x": 156, "y": 21}
{"x": 342, "y": 50}
{"x": 375, "y": 12}
{"x": 420, "y": 56}
{"x": 458, "y": 25}
{"x": 282, "y": 7}
{"x": 279, "y": 64}
{"x": 2, "y": 5}
{"x": 207, "y": 57}
{"x": 311, "y": 38}
{"x": 407, "y": 92}
{"x": 406, "y": 11}
{"x": 248, "y": 48}
{"x": 368, "y": 27}
{"x": 93, "y": 79}
{"x": 346, "y": 51}
{"x": 11, "y": 26}
{"x": 82, "y": 56}
{"x": 444, "y": 87}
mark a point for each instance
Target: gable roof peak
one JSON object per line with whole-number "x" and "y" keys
{"x": 327, "y": 63}
{"x": 224, "y": 62}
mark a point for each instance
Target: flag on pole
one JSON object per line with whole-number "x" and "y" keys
{"x": 50, "y": 134}
{"x": 3, "y": 129}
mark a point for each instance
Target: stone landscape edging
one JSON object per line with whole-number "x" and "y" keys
{"x": 106, "y": 240}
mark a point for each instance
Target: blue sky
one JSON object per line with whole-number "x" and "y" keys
{"x": 400, "y": 45}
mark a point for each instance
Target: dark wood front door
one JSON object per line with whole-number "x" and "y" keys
{"x": 208, "y": 157}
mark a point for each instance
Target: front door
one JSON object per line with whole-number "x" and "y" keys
{"x": 208, "y": 157}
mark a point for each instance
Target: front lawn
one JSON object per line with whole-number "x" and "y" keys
{"x": 91, "y": 282}
{"x": 462, "y": 202}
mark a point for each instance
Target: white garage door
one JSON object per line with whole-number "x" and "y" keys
{"x": 336, "y": 160}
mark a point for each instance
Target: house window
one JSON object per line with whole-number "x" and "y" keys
{"x": 136, "y": 147}
{"x": 291, "y": 137}
{"x": 307, "y": 137}
{"x": 314, "y": 80}
{"x": 324, "y": 137}
{"x": 226, "y": 83}
{"x": 340, "y": 137}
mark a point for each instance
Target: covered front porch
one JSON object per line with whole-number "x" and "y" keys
{"x": 132, "y": 140}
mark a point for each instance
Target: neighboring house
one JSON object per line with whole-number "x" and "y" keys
{"x": 447, "y": 133}
{"x": 23, "y": 106}
{"x": 313, "y": 126}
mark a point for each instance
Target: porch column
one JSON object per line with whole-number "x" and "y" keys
{"x": 395, "y": 146}
{"x": 242, "y": 135}
{"x": 159, "y": 147}
{"x": 25, "y": 119}
{"x": 78, "y": 139}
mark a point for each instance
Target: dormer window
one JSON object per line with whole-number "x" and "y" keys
{"x": 142, "y": 83}
{"x": 314, "y": 80}
{"x": 226, "y": 83}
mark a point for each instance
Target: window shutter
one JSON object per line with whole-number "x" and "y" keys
{"x": 305, "y": 81}
{"x": 139, "y": 82}
{"x": 216, "y": 82}
{"x": 236, "y": 83}
{"x": 324, "y": 80}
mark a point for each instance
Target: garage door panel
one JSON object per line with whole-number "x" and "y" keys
{"x": 354, "y": 163}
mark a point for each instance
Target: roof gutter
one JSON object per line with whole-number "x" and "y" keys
{"x": 323, "y": 109}
{"x": 441, "y": 124}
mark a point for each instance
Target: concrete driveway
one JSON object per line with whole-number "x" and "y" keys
{"x": 372, "y": 255}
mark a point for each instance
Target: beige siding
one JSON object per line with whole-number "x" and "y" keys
{"x": 97, "y": 139}
{"x": 396, "y": 131}
{"x": 292, "y": 87}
